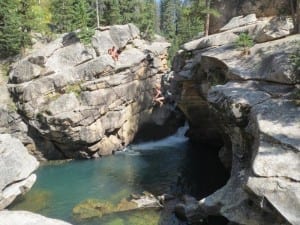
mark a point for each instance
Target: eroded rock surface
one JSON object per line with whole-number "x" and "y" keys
{"x": 16, "y": 169}
{"x": 252, "y": 101}
{"x": 82, "y": 103}
{"x": 26, "y": 218}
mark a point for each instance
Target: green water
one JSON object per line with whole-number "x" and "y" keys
{"x": 152, "y": 167}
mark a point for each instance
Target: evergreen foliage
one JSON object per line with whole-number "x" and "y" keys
{"x": 80, "y": 14}
{"x": 142, "y": 13}
{"x": 177, "y": 20}
{"x": 245, "y": 42}
{"x": 62, "y": 15}
{"x": 112, "y": 12}
{"x": 41, "y": 17}
{"x": 183, "y": 20}
{"x": 169, "y": 17}
{"x": 85, "y": 35}
{"x": 16, "y": 23}
{"x": 27, "y": 18}
{"x": 130, "y": 11}
{"x": 148, "y": 20}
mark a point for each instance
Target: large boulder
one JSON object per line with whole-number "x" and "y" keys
{"x": 269, "y": 61}
{"x": 26, "y": 218}
{"x": 213, "y": 40}
{"x": 117, "y": 35}
{"x": 239, "y": 21}
{"x": 277, "y": 28}
{"x": 79, "y": 101}
{"x": 264, "y": 133}
{"x": 16, "y": 169}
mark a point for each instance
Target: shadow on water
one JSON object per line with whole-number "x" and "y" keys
{"x": 199, "y": 171}
{"x": 171, "y": 165}
{"x": 202, "y": 173}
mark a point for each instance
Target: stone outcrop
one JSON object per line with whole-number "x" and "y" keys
{"x": 79, "y": 102}
{"x": 232, "y": 8}
{"x": 16, "y": 169}
{"x": 252, "y": 102}
{"x": 26, "y": 218}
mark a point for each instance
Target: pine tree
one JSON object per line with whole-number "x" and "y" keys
{"x": 81, "y": 20}
{"x": 148, "y": 19}
{"x": 10, "y": 33}
{"x": 41, "y": 16}
{"x": 80, "y": 14}
{"x": 295, "y": 10}
{"x": 170, "y": 23}
{"x": 62, "y": 15}
{"x": 168, "y": 18}
{"x": 111, "y": 14}
{"x": 130, "y": 11}
{"x": 97, "y": 13}
{"x": 27, "y": 18}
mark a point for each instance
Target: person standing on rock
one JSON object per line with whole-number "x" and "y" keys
{"x": 114, "y": 52}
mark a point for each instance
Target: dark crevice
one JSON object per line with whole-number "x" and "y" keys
{"x": 203, "y": 173}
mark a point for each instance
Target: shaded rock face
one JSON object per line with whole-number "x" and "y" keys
{"x": 10, "y": 121}
{"x": 232, "y": 8}
{"x": 16, "y": 169}
{"x": 25, "y": 218}
{"x": 252, "y": 102}
{"x": 79, "y": 102}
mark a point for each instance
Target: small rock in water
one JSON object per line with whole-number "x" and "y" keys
{"x": 146, "y": 202}
{"x": 165, "y": 197}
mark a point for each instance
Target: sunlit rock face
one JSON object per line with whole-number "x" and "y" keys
{"x": 252, "y": 102}
{"x": 16, "y": 169}
{"x": 79, "y": 102}
{"x": 24, "y": 218}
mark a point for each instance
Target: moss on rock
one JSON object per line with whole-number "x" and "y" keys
{"x": 92, "y": 208}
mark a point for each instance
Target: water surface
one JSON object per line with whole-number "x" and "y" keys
{"x": 164, "y": 166}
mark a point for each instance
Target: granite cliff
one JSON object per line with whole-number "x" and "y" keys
{"x": 80, "y": 103}
{"x": 250, "y": 104}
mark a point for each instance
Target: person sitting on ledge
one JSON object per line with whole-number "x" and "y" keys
{"x": 158, "y": 98}
{"x": 114, "y": 52}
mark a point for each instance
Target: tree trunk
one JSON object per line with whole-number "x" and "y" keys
{"x": 297, "y": 25}
{"x": 293, "y": 12}
{"x": 206, "y": 26}
{"x": 97, "y": 11}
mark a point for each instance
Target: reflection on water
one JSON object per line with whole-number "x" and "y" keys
{"x": 152, "y": 166}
